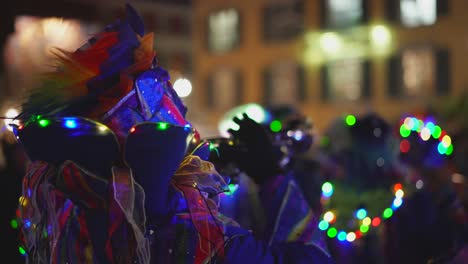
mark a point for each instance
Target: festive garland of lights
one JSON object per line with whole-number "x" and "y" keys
{"x": 425, "y": 130}
{"x": 361, "y": 216}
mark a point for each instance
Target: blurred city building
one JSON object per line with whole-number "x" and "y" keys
{"x": 329, "y": 57}
{"x": 39, "y": 28}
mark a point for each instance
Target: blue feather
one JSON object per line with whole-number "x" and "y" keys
{"x": 134, "y": 20}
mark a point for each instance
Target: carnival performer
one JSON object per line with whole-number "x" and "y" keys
{"x": 112, "y": 177}
{"x": 273, "y": 176}
{"x": 432, "y": 225}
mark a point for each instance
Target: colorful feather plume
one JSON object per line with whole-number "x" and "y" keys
{"x": 90, "y": 80}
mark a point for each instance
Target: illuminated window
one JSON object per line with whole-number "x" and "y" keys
{"x": 419, "y": 72}
{"x": 414, "y": 13}
{"x": 343, "y": 13}
{"x": 418, "y": 12}
{"x": 223, "y": 30}
{"x": 283, "y": 21}
{"x": 224, "y": 88}
{"x": 284, "y": 84}
{"x": 346, "y": 80}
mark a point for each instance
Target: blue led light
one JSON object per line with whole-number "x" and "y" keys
{"x": 342, "y": 236}
{"x": 70, "y": 123}
{"x": 397, "y": 202}
{"x": 323, "y": 225}
{"x": 361, "y": 213}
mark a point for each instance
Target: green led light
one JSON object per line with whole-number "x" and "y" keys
{"x": 332, "y": 232}
{"x": 162, "y": 126}
{"x": 364, "y": 228}
{"x": 21, "y": 250}
{"x": 436, "y": 132}
{"x": 449, "y": 150}
{"x": 327, "y": 187}
{"x": 232, "y": 189}
{"x": 44, "y": 122}
{"x": 276, "y": 126}
{"x": 350, "y": 120}
{"x": 212, "y": 147}
{"x": 388, "y": 213}
{"x": 14, "y": 223}
{"x": 404, "y": 131}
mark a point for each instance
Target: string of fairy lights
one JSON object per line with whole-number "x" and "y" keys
{"x": 361, "y": 221}
{"x": 425, "y": 130}
{"x": 361, "y": 216}
{"x": 408, "y": 125}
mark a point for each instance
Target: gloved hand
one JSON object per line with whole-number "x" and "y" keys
{"x": 256, "y": 155}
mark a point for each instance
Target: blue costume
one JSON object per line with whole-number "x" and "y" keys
{"x": 269, "y": 199}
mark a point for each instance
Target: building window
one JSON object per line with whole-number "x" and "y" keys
{"x": 283, "y": 21}
{"x": 419, "y": 72}
{"x": 418, "y": 12}
{"x": 224, "y": 89}
{"x": 414, "y": 13}
{"x": 343, "y": 13}
{"x": 223, "y": 30}
{"x": 346, "y": 80}
{"x": 284, "y": 84}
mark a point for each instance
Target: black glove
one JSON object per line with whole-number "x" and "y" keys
{"x": 256, "y": 155}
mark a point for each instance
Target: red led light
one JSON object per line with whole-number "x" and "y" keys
{"x": 404, "y": 146}
{"x": 376, "y": 221}
{"x": 397, "y": 187}
{"x": 358, "y": 234}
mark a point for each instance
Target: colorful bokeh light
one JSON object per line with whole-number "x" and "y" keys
{"x": 350, "y": 120}
{"x": 275, "y": 126}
